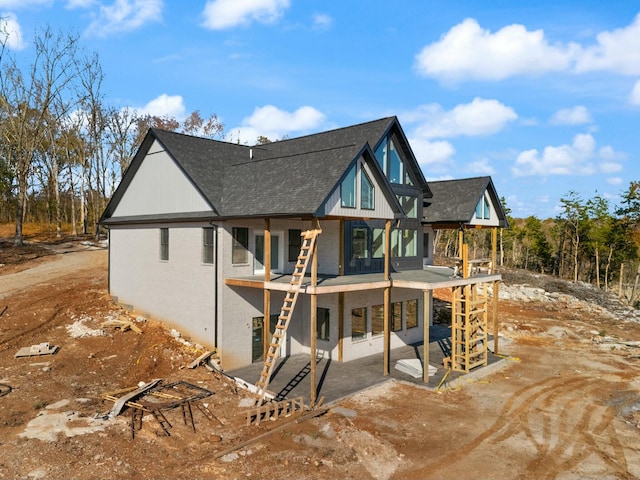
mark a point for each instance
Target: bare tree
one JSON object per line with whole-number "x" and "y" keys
{"x": 26, "y": 98}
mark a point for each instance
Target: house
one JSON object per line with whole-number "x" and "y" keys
{"x": 205, "y": 235}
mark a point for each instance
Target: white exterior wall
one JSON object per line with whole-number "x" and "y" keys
{"x": 159, "y": 186}
{"x": 370, "y": 345}
{"x": 427, "y": 258}
{"x": 180, "y": 291}
{"x": 239, "y": 305}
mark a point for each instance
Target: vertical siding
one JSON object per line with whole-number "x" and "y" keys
{"x": 382, "y": 208}
{"x": 159, "y": 186}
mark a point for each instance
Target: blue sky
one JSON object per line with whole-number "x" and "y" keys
{"x": 543, "y": 96}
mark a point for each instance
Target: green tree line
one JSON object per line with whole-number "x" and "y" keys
{"x": 63, "y": 149}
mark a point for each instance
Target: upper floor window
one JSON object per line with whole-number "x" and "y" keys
{"x": 207, "y": 245}
{"x": 366, "y": 192}
{"x": 483, "y": 211}
{"x": 164, "y": 244}
{"x": 348, "y": 189}
{"x": 409, "y": 204}
{"x": 240, "y": 245}
{"x": 390, "y": 161}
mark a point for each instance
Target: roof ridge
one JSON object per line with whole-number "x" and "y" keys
{"x": 324, "y": 132}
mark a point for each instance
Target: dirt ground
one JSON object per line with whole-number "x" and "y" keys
{"x": 564, "y": 404}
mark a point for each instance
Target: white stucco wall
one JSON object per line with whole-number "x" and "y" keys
{"x": 180, "y": 291}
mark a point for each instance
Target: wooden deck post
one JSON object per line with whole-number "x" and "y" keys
{"x": 387, "y": 295}
{"x": 314, "y": 317}
{"x": 494, "y": 249}
{"x": 340, "y": 326}
{"x": 426, "y": 319}
{"x": 496, "y": 322}
{"x": 266, "y": 333}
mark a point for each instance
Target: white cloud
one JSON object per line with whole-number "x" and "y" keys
{"x": 480, "y": 167}
{"x": 322, "y": 21}
{"x": 634, "y": 98}
{"x": 579, "y": 158}
{"x": 614, "y": 181}
{"x": 469, "y": 52}
{"x": 10, "y": 32}
{"x": 616, "y": 51}
{"x": 124, "y": 16}
{"x": 432, "y": 156}
{"x": 165, "y": 106}
{"x": 571, "y": 116}
{"x": 73, "y": 4}
{"x": 479, "y": 118}
{"x": 273, "y": 123}
{"x": 221, "y": 14}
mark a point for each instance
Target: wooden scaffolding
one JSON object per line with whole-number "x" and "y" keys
{"x": 469, "y": 327}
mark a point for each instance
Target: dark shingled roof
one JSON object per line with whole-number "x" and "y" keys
{"x": 455, "y": 201}
{"x": 288, "y": 177}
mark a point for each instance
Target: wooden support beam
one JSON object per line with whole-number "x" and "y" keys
{"x": 494, "y": 249}
{"x": 314, "y": 317}
{"x": 340, "y": 326}
{"x": 387, "y": 296}
{"x": 496, "y": 321}
{"x": 266, "y": 332}
{"x": 426, "y": 320}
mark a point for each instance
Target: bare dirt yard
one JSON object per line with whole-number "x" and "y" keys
{"x": 565, "y": 402}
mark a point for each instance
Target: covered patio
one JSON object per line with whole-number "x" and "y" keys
{"x": 336, "y": 380}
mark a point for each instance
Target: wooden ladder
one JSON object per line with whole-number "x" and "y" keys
{"x": 469, "y": 323}
{"x": 297, "y": 277}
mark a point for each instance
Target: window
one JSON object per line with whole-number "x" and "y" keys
{"x": 377, "y": 320}
{"x": 358, "y": 323}
{"x": 295, "y": 242}
{"x": 207, "y": 245}
{"x": 258, "y": 256}
{"x": 425, "y": 245}
{"x": 360, "y": 242}
{"x": 396, "y": 239}
{"x": 348, "y": 189}
{"x": 409, "y": 242}
{"x": 322, "y": 325}
{"x": 396, "y": 316}
{"x": 409, "y": 205}
{"x": 240, "y": 245}
{"x": 395, "y": 164}
{"x": 366, "y": 192}
{"x": 412, "y": 313}
{"x": 378, "y": 243}
{"x": 391, "y": 163}
{"x": 482, "y": 209}
{"x": 164, "y": 244}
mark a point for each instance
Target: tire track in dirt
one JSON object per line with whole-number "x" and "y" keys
{"x": 555, "y": 418}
